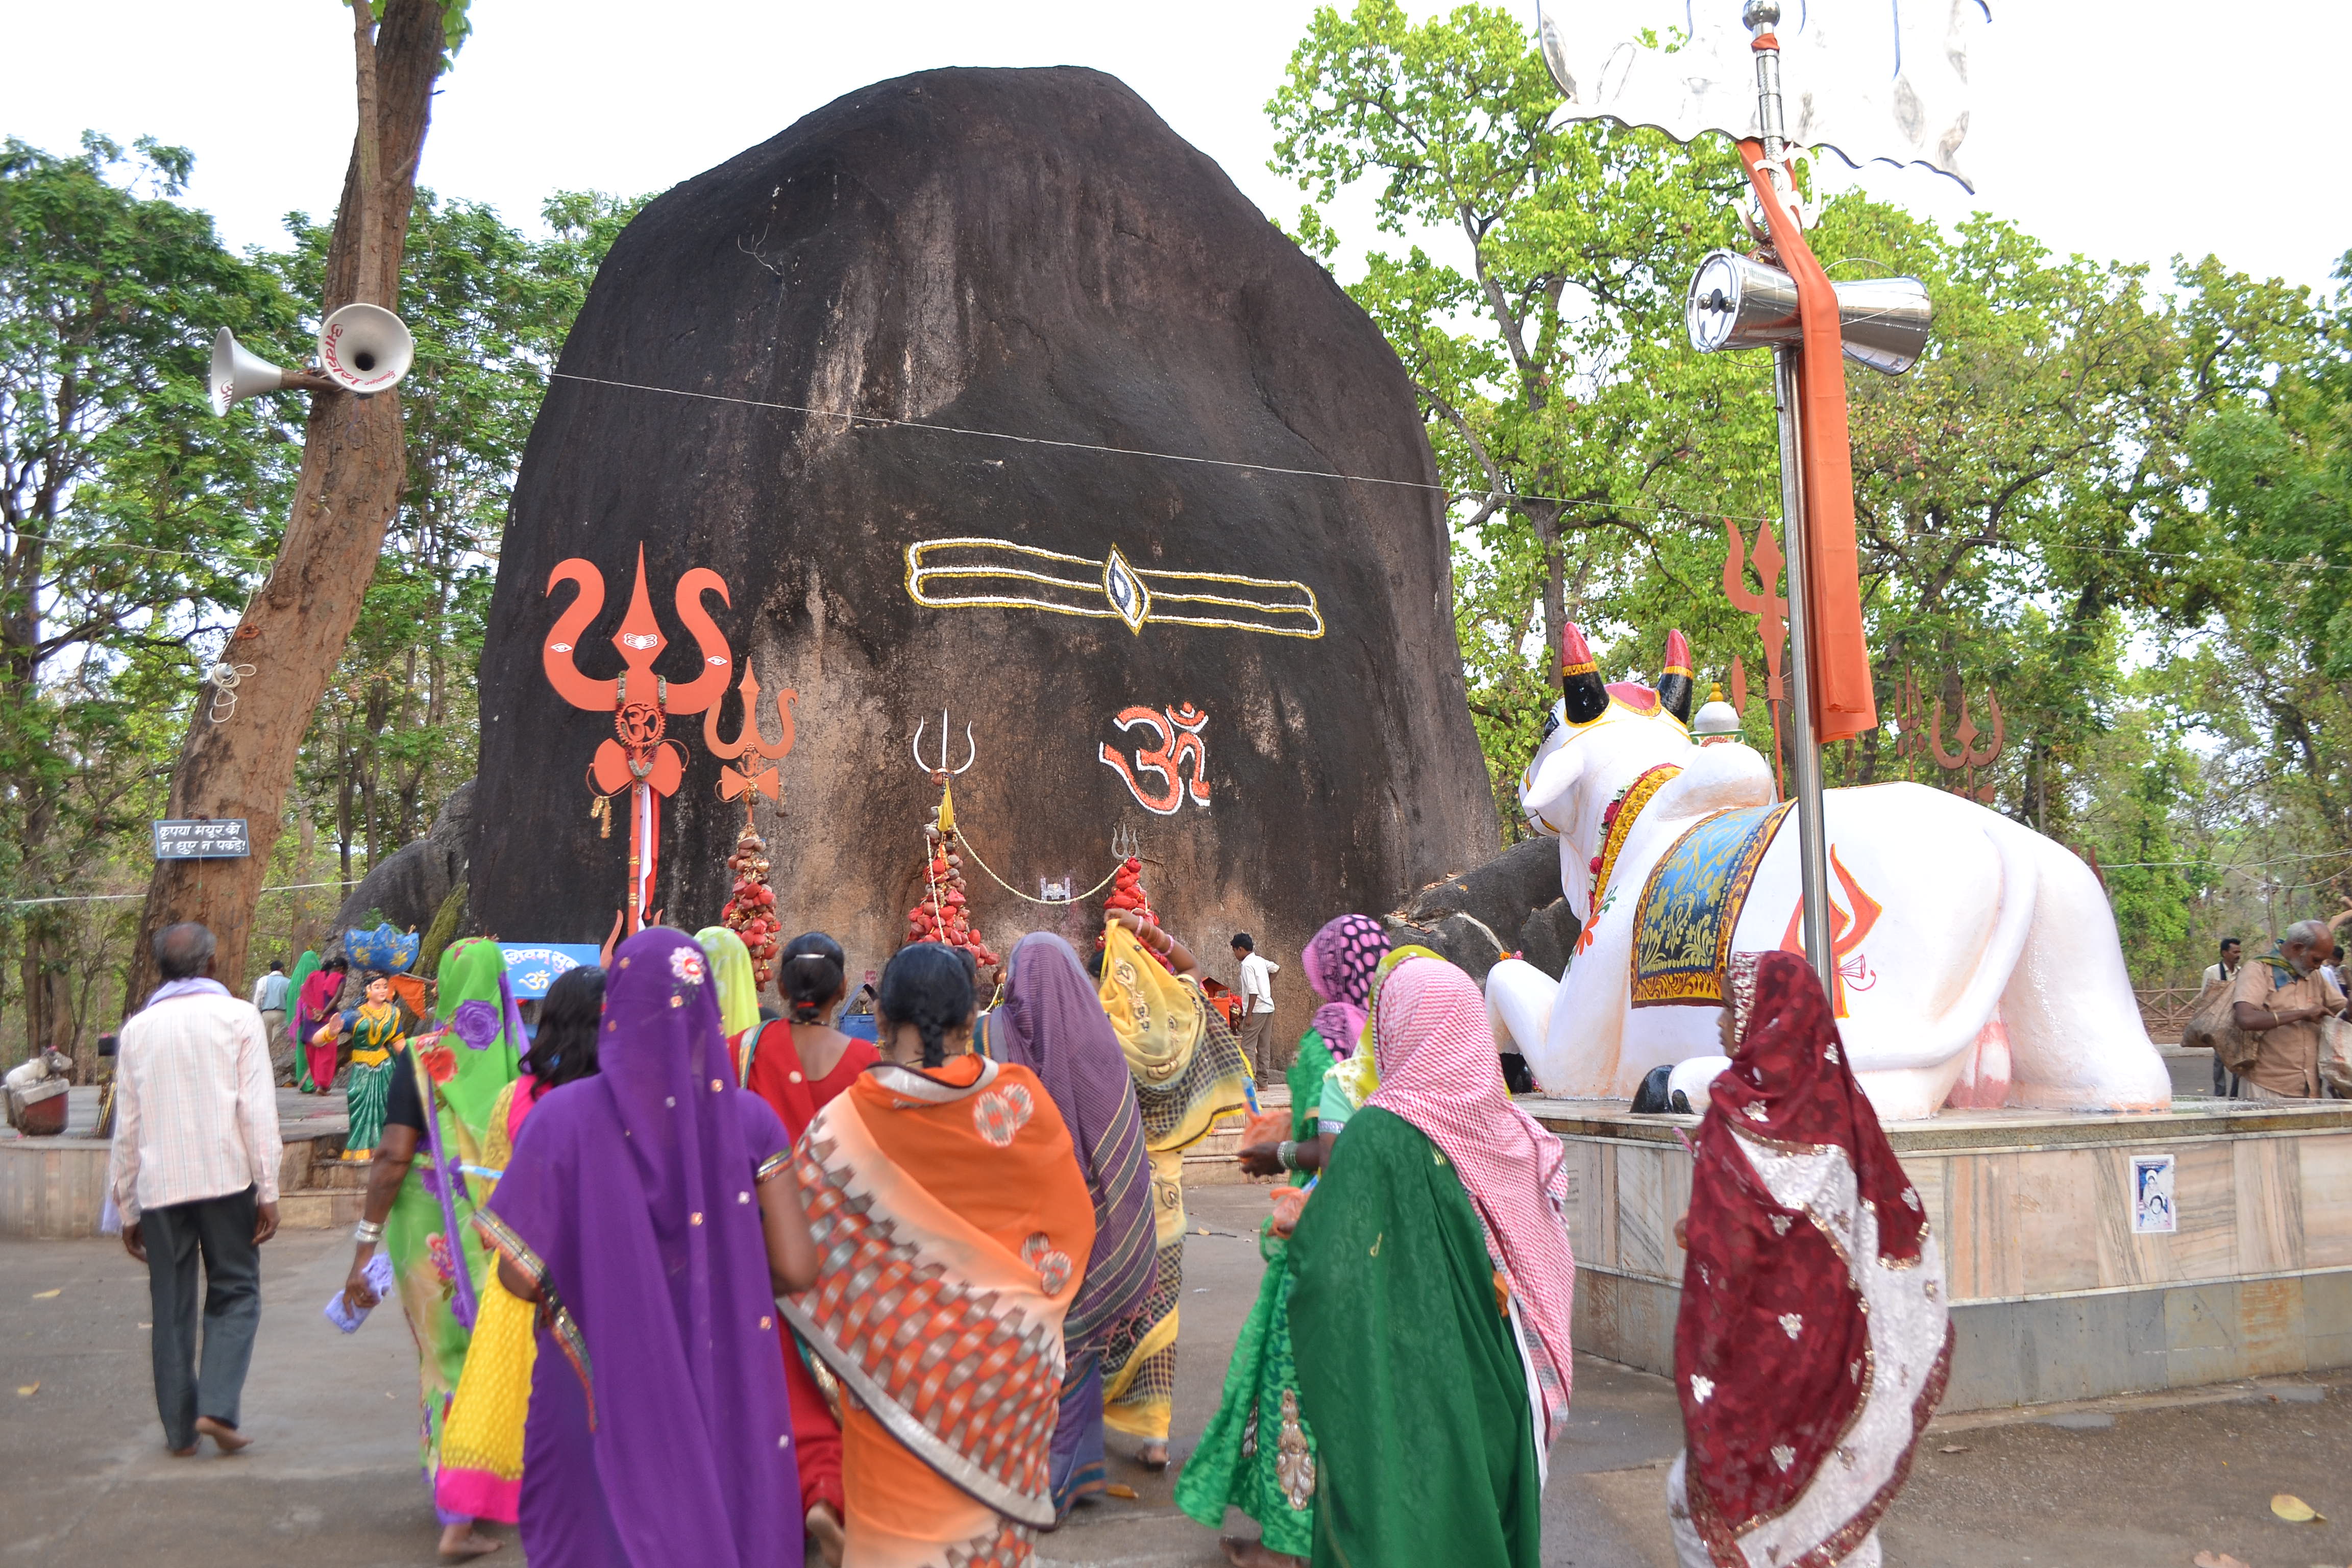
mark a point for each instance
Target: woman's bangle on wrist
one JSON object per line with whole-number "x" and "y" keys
{"x": 1286, "y": 1154}
{"x": 367, "y": 1233}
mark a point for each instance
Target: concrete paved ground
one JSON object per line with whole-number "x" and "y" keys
{"x": 331, "y": 1476}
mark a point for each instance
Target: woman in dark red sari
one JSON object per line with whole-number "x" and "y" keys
{"x": 1814, "y": 1340}
{"x": 798, "y": 1065}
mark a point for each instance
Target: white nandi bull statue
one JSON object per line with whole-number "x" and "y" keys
{"x": 1978, "y": 964}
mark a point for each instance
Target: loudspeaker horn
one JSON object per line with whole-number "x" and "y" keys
{"x": 1737, "y": 302}
{"x": 239, "y": 373}
{"x": 365, "y": 349}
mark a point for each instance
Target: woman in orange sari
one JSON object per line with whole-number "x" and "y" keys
{"x": 948, "y": 1208}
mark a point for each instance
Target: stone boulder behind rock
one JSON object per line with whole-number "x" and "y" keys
{"x": 1511, "y": 903}
{"x": 410, "y": 885}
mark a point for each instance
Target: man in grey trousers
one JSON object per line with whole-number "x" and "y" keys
{"x": 195, "y": 1173}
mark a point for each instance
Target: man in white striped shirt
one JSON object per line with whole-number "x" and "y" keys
{"x": 195, "y": 1172}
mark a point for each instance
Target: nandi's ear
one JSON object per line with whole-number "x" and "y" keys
{"x": 1545, "y": 790}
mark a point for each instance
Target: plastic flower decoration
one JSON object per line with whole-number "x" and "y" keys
{"x": 476, "y": 1023}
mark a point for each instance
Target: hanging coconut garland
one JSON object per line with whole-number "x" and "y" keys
{"x": 943, "y": 914}
{"x": 1127, "y": 898}
{"x": 751, "y": 912}
{"x": 1127, "y": 895}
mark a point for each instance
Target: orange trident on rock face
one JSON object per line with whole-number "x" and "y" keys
{"x": 734, "y": 782}
{"x": 640, "y": 757}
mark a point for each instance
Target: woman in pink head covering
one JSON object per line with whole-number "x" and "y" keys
{"x": 1435, "y": 1239}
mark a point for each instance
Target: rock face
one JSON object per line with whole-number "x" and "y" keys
{"x": 1251, "y": 666}
{"x": 409, "y": 885}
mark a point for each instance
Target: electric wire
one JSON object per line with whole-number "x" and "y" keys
{"x": 117, "y": 897}
{"x": 850, "y": 419}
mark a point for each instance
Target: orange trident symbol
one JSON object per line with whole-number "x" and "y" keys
{"x": 641, "y": 757}
{"x": 1846, "y": 934}
{"x": 1770, "y": 609}
{"x": 734, "y": 782}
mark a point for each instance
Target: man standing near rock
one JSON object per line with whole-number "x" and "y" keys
{"x": 2283, "y": 998}
{"x": 1257, "y": 1009}
{"x": 195, "y": 1171}
{"x": 270, "y": 996}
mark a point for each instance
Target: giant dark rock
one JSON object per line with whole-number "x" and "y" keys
{"x": 1031, "y": 252}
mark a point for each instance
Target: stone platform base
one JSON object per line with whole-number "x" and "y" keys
{"x": 57, "y": 1186}
{"x": 2053, "y": 1295}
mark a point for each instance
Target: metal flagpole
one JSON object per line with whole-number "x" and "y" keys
{"x": 1813, "y": 835}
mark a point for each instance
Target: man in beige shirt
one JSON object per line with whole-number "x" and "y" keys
{"x": 195, "y": 1173}
{"x": 2281, "y": 1000}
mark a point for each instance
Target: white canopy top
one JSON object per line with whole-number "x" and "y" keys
{"x": 1872, "y": 80}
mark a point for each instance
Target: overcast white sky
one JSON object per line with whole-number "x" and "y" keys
{"x": 2131, "y": 131}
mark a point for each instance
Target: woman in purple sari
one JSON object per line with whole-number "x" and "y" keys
{"x": 651, "y": 1211}
{"x": 1051, "y": 1023}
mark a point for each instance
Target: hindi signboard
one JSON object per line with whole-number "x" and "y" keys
{"x": 220, "y": 838}
{"x": 533, "y": 967}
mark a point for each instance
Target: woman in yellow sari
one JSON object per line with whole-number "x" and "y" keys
{"x": 1187, "y": 1071}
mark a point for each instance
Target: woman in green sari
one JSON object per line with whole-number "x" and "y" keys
{"x": 1429, "y": 1310}
{"x": 1257, "y": 1453}
{"x": 429, "y": 1177}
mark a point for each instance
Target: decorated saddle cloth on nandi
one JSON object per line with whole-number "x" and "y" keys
{"x": 1691, "y": 904}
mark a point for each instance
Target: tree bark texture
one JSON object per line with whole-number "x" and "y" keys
{"x": 353, "y": 469}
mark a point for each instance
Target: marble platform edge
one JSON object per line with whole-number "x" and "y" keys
{"x": 2008, "y": 1132}
{"x": 1617, "y": 1271}
{"x": 2011, "y": 1353}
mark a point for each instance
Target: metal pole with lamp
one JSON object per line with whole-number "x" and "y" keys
{"x": 1883, "y": 82}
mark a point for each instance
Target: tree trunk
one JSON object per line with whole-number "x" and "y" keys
{"x": 354, "y": 466}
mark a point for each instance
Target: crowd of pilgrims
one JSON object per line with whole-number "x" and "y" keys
{"x": 690, "y": 1284}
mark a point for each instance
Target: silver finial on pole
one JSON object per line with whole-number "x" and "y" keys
{"x": 1761, "y": 16}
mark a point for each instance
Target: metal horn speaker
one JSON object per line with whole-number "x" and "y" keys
{"x": 1738, "y": 302}
{"x": 239, "y": 373}
{"x": 365, "y": 349}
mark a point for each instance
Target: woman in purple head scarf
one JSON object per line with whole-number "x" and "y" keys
{"x": 1051, "y": 1023}
{"x": 652, "y": 1211}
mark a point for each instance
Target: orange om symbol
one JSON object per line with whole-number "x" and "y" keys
{"x": 1178, "y": 729}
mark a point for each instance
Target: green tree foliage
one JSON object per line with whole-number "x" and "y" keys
{"x": 131, "y": 521}
{"x": 2031, "y": 500}
{"x": 134, "y": 523}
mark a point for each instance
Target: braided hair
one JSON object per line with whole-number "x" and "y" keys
{"x": 927, "y": 985}
{"x": 564, "y": 1048}
{"x": 809, "y": 974}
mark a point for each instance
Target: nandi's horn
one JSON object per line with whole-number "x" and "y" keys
{"x": 1675, "y": 685}
{"x": 1584, "y": 697}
